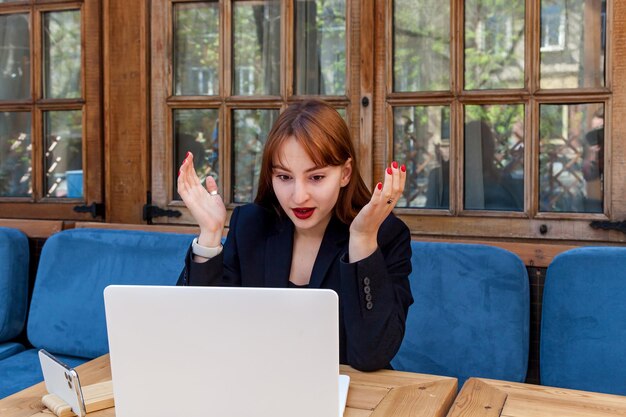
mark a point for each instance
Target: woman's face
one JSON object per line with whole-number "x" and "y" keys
{"x": 306, "y": 192}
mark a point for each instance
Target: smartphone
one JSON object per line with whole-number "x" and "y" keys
{"x": 62, "y": 381}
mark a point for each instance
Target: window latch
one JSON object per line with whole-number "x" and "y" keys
{"x": 151, "y": 211}
{"x": 606, "y": 225}
{"x": 96, "y": 209}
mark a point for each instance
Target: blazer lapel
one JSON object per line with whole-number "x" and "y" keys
{"x": 333, "y": 244}
{"x": 278, "y": 255}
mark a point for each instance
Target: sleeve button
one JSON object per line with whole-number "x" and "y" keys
{"x": 369, "y": 305}
{"x": 367, "y": 289}
{"x": 366, "y": 281}
{"x": 368, "y": 297}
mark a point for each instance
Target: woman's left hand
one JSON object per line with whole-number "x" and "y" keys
{"x": 364, "y": 227}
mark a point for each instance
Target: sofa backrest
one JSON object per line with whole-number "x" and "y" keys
{"x": 14, "y": 257}
{"x": 471, "y": 313}
{"x": 583, "y": 325}
{"x": 67, "y": 307}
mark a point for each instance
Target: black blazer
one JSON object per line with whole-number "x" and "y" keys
{"x": 374, "y": 293}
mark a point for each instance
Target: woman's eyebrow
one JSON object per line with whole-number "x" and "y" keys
{"x": 315, "y": 168}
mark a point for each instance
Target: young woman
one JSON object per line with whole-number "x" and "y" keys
{"x": 313, "y": 224}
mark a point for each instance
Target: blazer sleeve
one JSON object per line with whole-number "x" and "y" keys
{"x": 222, "y": 270}
{"x": 376, "y": 296}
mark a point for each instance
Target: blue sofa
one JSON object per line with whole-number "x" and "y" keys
{"x": 583, "y": 325}
{"x": 66, "y": 315}
{"x": 471, "y": 314}
{"x": 14, "y": 256}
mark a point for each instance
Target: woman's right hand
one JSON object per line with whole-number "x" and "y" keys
{"x": 205, "y": 205}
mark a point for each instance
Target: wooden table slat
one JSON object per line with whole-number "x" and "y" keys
{"x": 526, "y": 400}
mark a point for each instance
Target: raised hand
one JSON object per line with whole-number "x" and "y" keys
{"x": 364, "y": 227}
{"x": 205, "y": 204}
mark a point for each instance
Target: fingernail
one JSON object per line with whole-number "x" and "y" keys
{"x": 179, "y": 172}
{"x": 380, "y": 185}
{"x": 394, "y": 164}
{"x": 389, "y": 171}
{"x": 403, "y": 168}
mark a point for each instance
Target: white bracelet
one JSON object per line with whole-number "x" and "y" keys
{"x": 204, "y": 251}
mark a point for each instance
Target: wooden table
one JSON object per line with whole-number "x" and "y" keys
{"x": 376, "y": 394}
{"x": 489, "y": 398}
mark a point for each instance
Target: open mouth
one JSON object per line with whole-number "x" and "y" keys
{"x": 303, "y": 213}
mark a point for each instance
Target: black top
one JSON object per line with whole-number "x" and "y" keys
{"x": 292, "y": 285}
{"x": 374, "y": 293}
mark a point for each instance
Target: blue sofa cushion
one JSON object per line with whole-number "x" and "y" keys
{"x": 23, "y": 370}
{"x": 471, "y": 313}
{"x": 583, "y": 326}
{"x": 14, "y": 256}
{"x": 67, "y": 307}
{"x": 9, "y": 348}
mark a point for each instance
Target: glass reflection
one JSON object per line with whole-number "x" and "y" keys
{"x": 196, "y": 48}
{"x": 494, "y": 157}
{"x": 63, "y": 157}
{"x": 421, "y": 45}
{"x": 15, "y": 154}
{"x": 197, "y": 131}
{"x": 571, "y": 159}
{"x": 61, "y": 54}
{"x": 494, "y": 44}
{"x": 421, "y": 140}
{"x": 320, "y": 47}
{"x": 250, "y": 129}
{"x": 573, "y": 43}
{"x": 256, "y": 28}
{"x": 14, "y": 57}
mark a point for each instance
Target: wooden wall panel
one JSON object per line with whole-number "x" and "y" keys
{"x": 616, "y": 64}
{"x": 126, "y": 115}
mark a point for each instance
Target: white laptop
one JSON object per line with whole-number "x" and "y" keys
{"x": 224, "y": 352}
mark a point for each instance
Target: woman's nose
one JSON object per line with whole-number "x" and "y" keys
{"x": 300, "y": 192}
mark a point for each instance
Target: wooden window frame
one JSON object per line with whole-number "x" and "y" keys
{"x": 163, "y": 101}
{"x": 458, "y": 223}
{"x": 38, "y": 206}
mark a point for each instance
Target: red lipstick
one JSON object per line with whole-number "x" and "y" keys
{"x": 303, "y": 212}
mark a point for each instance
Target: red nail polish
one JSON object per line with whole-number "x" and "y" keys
{"x": 389, "y": 171}
{"x": 403, "y": 168}
{"x": 394, "y": 164}
{"x": 380, "y": 186}
{"x": 179, "y": 172}
{"x": 187, "y": 155}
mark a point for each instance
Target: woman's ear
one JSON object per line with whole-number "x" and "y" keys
{"x": 346, "y": 172}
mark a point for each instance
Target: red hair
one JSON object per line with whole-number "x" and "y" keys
{"x": 325, "y": 137}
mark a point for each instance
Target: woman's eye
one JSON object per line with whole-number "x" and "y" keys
{"x": 282, "y": 177}
{"x": 317, "y": 178}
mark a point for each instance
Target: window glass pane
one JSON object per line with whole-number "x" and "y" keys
{"x": 61, "y": 54}
{"x": 197, "y": 131}
{"x": 573, "y": 43}
{"x": 14, "y": 57}
{"x": 571, "y": 159}
{"x": 421, "y": 141}
{"x": 250, "y": 129}
{"x": 63, "y": 158}
{"x": 256, "y": 47}
{"x": 196, "y": 48}
{"x": 421, "y": 45}
{"x": 320, "y": 47}
{"x": 494, "y": 44}
{"x": 494, "y": 157}
{"x": 15, "y": 154}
